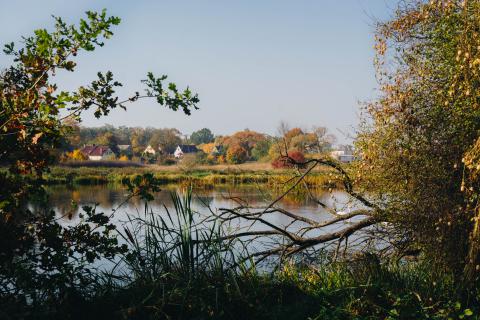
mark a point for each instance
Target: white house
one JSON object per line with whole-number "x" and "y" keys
{"x": 149, "y": 150}
{"x": 344, "y": 156}
{"x": 183, "y": 149}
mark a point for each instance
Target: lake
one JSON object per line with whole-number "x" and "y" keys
{"x": 204, "y": 202}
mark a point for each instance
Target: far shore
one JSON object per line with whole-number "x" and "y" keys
{"x": 102, "y": 172}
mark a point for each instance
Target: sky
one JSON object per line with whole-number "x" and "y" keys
{"x": 253, "y": 63}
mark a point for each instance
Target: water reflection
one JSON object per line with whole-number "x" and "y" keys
{"x": 205, "y": 202}
{"x": 109, "y": 197}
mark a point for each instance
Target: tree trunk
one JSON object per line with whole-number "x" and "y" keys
{"x": 472, "y": 267}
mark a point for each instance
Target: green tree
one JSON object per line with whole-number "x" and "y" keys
{"x": 202, "y": 136}
{"x": 36, "y": 252}
{"x": 261, "y": 149}
{"x": 108, "y": 139}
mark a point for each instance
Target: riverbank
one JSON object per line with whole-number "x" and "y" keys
{"x": 254, "y": 173}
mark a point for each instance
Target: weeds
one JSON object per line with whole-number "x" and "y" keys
{"x": 178, "y": 269}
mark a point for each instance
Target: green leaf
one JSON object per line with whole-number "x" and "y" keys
{"x": 468, "y": 312}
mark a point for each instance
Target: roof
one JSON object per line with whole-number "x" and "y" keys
{"x": 124, "y": 146}
{"x": 95, "y": 150}
{"x": 149, "y": 149}
{"x": 187, "y": 148}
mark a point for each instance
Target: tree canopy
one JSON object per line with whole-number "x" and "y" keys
{"x": 419, "y": 141}
{"x": 202, "y": 136}
{"x": 36, "y": 252}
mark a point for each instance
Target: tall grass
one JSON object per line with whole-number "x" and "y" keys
{"x": 174, "y": 242}
{"x": 179, "y": 269}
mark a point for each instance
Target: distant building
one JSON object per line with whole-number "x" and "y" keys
{"x": 97, "y": 153}
{"x": 149, "y": 150}
{"x": 124, "y": 148}
{"x": 345, "y": 156}
{"x": 184, "y": 149}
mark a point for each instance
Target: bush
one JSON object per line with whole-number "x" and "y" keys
{"x": 201, "y": 157}
{"x": 293, "y": 159}
{"x": 166, "y": 160}
{"x": 76, "y": 154}
{"x": 236, "y": 154}
{"x": 149, "y": 158}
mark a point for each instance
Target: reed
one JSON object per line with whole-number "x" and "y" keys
{"x": 178, "y": 269}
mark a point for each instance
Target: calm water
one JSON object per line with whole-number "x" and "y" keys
{"x": 110, "y": 197}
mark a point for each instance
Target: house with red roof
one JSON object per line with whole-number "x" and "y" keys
{"x": 97, "y": 153}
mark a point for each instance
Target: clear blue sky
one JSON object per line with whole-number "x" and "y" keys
{"x": 253, "y": 63}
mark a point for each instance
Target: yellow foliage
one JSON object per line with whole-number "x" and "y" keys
{"x": 77, "y": 154}
{"x": 123, "y": 158}
{"x": 221, "y": 159}
{"x": 276, "y": 149}
{"x": 206, "y": 147}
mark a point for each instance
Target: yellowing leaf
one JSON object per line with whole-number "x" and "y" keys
{"x": 36, "y": 137}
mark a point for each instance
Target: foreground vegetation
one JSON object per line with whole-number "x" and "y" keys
{"x": 186, "y": 273}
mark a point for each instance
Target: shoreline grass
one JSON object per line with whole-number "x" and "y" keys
{"x": 206, "y": 177}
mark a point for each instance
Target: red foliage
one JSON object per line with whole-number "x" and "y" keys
{"x": 289, "y": 161}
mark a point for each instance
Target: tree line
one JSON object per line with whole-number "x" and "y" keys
{"x": 241, "y": 146}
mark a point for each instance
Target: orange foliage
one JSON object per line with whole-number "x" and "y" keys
{"x": 206, "y": 147}
{"x": 236, "y": 154}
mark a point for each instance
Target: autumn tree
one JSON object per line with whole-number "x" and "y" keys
{"x": 206, "y": 147}
{"x": 416, "y": 183}
{"x": 305, "y": 142}
{"x": 236, "y": 154}
{"x": 290, "y": 160}
{"x": 77, "y": 155}
{"x": 420, "y": 141}
{"x": 246, "y": 139}
{"x": 165, "y": 140}
{"x": 292, "y": 133}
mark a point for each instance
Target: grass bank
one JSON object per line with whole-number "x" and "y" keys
{"x": 202, "y": 176}
{"x": 356, "y": 290}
